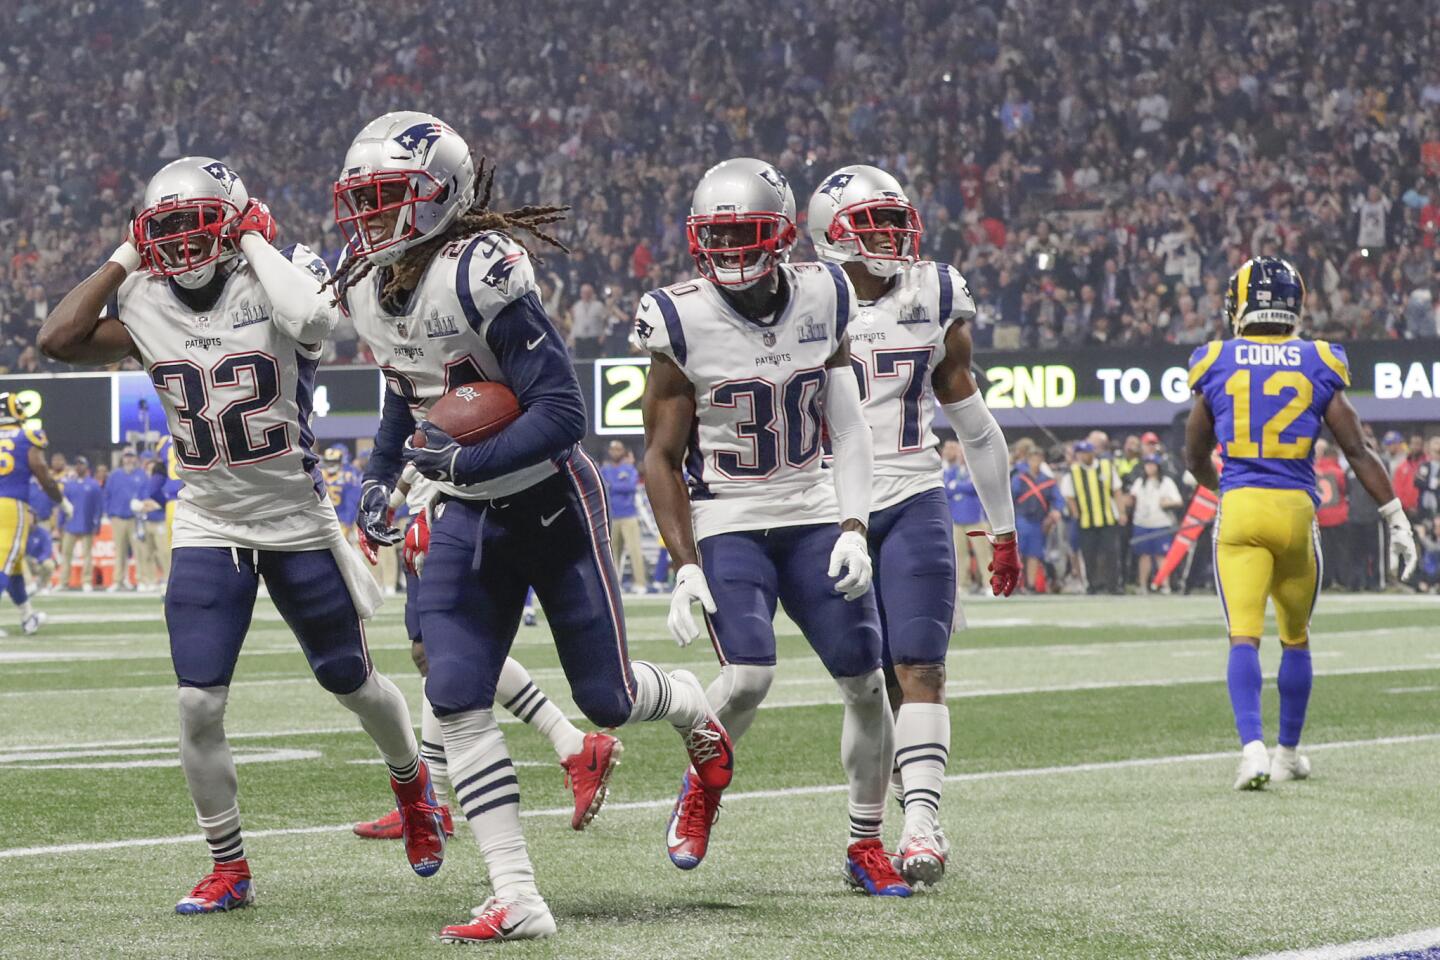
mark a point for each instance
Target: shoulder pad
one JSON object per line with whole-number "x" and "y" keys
{"x": 303, "y": 256}
{"x": 1202, "y": 359}
{"x": 37, "y": 436}
{"x": 492, "y": 271}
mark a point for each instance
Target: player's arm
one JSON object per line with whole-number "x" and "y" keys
{"x": 80, "y": 329}
{"x": 668, "y": 409}
{"x": 299, "y": 305}
{"x": 1344, "y": 423}
{"x": 532, "y": 354}
{"x": 854, "y": 471}
{"x": 1199, "y": 441}
{"x": 977, "y": 430}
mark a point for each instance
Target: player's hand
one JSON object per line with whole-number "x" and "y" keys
{"x": 1004, "y": 566}
{"x": 435, "y": 460}
{"x": 137, "y": 505}
{"x": 374, "y": 523}
{"x": 690, "y": 586}
{"x": 1403, "y": 555}
{"x": 256, "y": 218}
{"x": 67, "y": 509}
{"x": 417, "y": 542}
{"x": 417, "y": 657}
{"x": 851, "y": 555}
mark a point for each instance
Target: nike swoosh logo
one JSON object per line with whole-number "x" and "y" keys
{"x": 594, "y": 763}
{"x": 532, "y": 344}
{"x": 505, "y": 930}
{"x": 546, "y": 521}
{"x": 671, "y": 837}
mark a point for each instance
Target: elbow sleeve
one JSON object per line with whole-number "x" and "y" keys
{"x": 854, "y": 464}
{"x": 989, "y": 459}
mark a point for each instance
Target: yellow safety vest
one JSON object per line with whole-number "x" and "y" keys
{"x": 1094, "y": 499}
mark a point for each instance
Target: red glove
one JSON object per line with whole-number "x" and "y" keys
{"x": 417, "y": 543}
{"x": 1005, "y": 567}
{"x": 256, "y": 218}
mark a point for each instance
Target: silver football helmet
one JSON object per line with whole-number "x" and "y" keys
{"x": 742, "y": 222}
{"x": 861, "y": 213}
{"x": 186, "y": 227}
{"x": 406, "y": 177}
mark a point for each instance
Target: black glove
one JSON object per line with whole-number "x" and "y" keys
{"x": 435, "y": 460}
{"x": 376, "y": 530}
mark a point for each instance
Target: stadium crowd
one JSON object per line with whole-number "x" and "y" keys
{"x": 1094, "y": 169}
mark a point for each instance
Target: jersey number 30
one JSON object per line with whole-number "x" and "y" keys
{"x": 793, "y": 429}
{"x": 228, "y": 428}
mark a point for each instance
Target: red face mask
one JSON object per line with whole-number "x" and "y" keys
{"x": 745, "y": 243}
{"x": 881, "y": 229}
{"x": 368, "y": 206}
{"x": 178, "y": 236}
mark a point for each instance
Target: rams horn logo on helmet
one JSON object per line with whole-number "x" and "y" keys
{"x": 222, "y": 173}
{"x": 418, "y": 139}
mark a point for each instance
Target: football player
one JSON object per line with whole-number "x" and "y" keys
{"x": 230, "y": 329}
{"x": 910, "y": 345}
{"x": 515, "y": 690}
{"x": 1265, "y": 394}
{"x": 22, "y": 457}
{"x": 445, "y": 295}
{"x": 342, "y": 485}
{"x": 749, "y": 367}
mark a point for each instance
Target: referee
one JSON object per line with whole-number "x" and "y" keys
{"x": 1091, "y": 489}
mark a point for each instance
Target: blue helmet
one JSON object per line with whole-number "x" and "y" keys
{"x": 1265, "y": 290}
{"x": 336, "y": 455}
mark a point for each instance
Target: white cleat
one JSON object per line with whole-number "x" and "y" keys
{"x": 502, "y": 919}
{"x": 922, "y": 859}
{"x": 1287, "y": 764}
{"x": 1254, "y": 770}
{"x": 31, "y": 625}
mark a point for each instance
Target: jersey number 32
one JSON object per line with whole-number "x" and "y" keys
{"x": 226, "y": 429}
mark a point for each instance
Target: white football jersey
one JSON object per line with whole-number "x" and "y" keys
{"x": 439, "y": 341}
{"x": 237, "y": 391}
{"x": 895, "y": 345}
{"x": 755, "y": 456}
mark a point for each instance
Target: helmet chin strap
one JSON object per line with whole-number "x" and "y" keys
{"x": 195, "y": 279}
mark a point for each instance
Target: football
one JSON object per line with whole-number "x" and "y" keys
{"x": 473, "y": 412}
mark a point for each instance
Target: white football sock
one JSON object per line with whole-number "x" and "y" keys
{"x": 488, "y": 793}
{"x": 432, "y": 748}
{"x": 922, "y": 747}
{"x": 209, "y": 768}
{"x": 737, "y": 693}
{"x": 518, "y": 694}
{"x": 660, "y": 696}
{"x": 384, "y": 715}
{"x": 867, "y": 750}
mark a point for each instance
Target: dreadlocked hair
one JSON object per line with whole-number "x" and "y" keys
{"x": 406, "y": 272}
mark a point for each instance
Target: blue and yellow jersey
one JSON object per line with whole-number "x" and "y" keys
{"x": 1268, "y": 396}
{"x": 343, "y": 486}
{"x": 16, "y": 439}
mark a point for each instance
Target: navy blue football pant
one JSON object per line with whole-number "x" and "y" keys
{"x": 914, "y": 553}
{"x": 749, "y": 571}
{"x": 211, "y": 597}
{"x": 486, "y": 554}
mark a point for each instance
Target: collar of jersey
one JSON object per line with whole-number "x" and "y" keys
{"x": 1271, "y": 337}
{"x": 406, "y": 307}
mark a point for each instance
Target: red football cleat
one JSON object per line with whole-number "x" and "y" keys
{"x": 695, "y": 813}
{"x": 498, "y": 919}
{"x": 389, "y": 827}
{"x": 422, "y": 825}
{"x": 712, "y": 755}
{"x": 587, "y": 774}
{"x": 869, "y": 868}
{"x": 227, "y": 887}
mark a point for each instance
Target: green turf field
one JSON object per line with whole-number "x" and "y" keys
{"x": 1089, "y": 806}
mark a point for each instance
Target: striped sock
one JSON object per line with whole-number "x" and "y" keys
{"x": 922, "y": 748}
{"x": 406, "y": 773}
{"x": 865, "y": 821}
{"x": 518, "y": 694}
{"x": 222, "y": 836}
{"x": 432, "y": 749}
{"x": 488, "y": 793}
{"x": 659, "y": 696}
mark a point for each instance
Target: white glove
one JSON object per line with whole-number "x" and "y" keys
{"x": 852, "y": 555}
{"x": 67, "y": 509}
{"x": 137, "y": 505}
{"x": 1403, "y": 555}
{"x": 690, "y": 586}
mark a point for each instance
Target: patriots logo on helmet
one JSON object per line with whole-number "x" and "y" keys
{"x": 776, "y": 179}
{"x": 222, "y": 173}
{"x": 835, "y": 183}
{"x": 499, "y": 273}
{"x": 419, "y": 138}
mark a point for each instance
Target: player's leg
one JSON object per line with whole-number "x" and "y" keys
{"x": 469, "y": 603}
{"x": 1244, "y": 565}
{"x": 846, "y": 636}
{"x": 915, "y": 590}
{"x": 14, "y": 533}
{"x": 207, "y": 611}
{"x": 310, "y": 592}
{"x": 1299, "y": 572}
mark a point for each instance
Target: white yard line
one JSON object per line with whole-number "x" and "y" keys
{"x": 784, "y": 793}
{"x": 1384, "y": 946}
